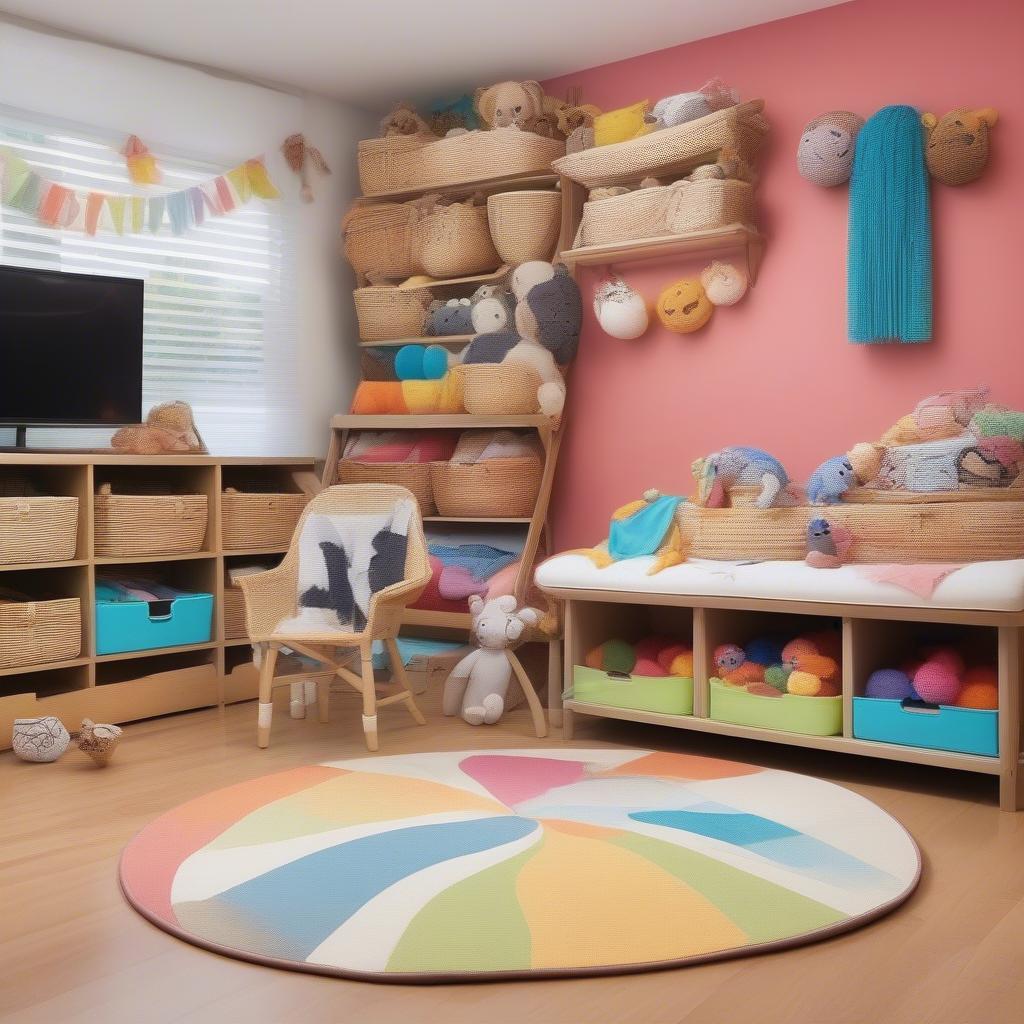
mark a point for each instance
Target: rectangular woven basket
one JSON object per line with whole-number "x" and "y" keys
{"x": 676, "y": 150}
{"x": 258, "y": 520}
{"x": 33, "y": 632}
{"x": 379, "y": 239}
{"x": 495, "y": 487}
{"x": 407, "y": 162}
{"x": 387, "y": 313}
{"x": 234, "y": 613}
{"x": 149, "y": 524}
{"x": 414, "y": 476}
{"x": 38, "y": 529}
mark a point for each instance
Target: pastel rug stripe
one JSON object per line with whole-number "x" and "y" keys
{"x": 149, "y": 862}
{"x": 514, "y": 779}
{"x": 684, "y": 766}
{"x": 291, "y": 910}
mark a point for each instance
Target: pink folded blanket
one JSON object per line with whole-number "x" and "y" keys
{"x": 918, "y": 579}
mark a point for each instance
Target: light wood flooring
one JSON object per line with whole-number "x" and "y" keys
{"x": 72, "y": 950}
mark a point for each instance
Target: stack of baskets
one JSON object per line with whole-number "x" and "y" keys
{"x": 38, "y": 529}
{"x": 129, "y": 525}
{"x": 414, "y": 476}
{"x": 258, "y": 519}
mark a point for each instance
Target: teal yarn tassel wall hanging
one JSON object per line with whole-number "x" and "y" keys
{"x": 889, "y": 266}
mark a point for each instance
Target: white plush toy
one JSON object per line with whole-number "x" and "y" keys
{"x": 478, "y": 685}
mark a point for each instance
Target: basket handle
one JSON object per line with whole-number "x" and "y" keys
{"x": 22, "y": 508}
{"x": 179, "y": 506}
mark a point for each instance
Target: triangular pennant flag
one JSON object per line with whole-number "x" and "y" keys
{"x": 72, "y": 208}
{"x": 178, "y": 206}
{"x": 259, "y": 181}
{"x": 142, "y": 168}
{"x": 138, "y": 205}
{"x": 227, "y": 202}
{"x": 52, "y": 208}
{"x": 26, "y": 198}
{"x": 116, "y": 204}
{"x": 195, "y": 197}
{"x": 239, "y": 178}
{"x": 93, "y": 209}
{"x": 210, "y": 198}
{"x": 156, "y": 213}
{"x": 15, "y": 173}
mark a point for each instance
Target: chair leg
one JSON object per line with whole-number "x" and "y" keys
{"x": 323, "y": 696}
{"x": 399, "y": 673}
{"x": 266, "y": 704}
{"x": 540, "y": 722}
{"x": 369, "y": 696}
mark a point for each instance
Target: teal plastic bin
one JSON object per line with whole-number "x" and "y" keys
{"x": 125, "y": 623}
{"x": 913, "y": 724}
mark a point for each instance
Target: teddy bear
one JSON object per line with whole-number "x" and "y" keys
{"x": 169, "y": 429}
{"x": 518, "y": 105}
{"x": 478, "y": 685}
{"x": 403, "y": 120}
{"x": 956, "y": 150}
{"x": 447, "y": 318}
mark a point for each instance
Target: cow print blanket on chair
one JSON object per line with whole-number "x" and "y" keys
{"x": 343, "y": 561}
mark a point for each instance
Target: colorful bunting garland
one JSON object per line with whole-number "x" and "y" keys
{"x": 58, "y": 206}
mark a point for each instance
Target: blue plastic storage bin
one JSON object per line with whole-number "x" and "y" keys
{"x": 125, "y": 623}
{"x": 964, "y": 730}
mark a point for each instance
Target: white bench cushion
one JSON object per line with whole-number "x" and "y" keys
{"x": 981, "y": 586}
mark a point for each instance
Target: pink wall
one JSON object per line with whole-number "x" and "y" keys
{"x": 777, "y": 371}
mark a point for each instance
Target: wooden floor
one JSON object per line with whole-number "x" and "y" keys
{"x": 72, "y": 950}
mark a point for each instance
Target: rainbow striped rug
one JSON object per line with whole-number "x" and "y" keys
{"x": 475, "y": 865}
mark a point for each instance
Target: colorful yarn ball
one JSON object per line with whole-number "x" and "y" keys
{"x": 949, "y": 657}
{"x": 937, "y": 683}
{"x": 889, "y": 684}
{"x": 748, "y": 672}
{"x": 765, "y": 650}
{"x": 682, "y": 665}
{"x": 980, "y": 693}
{"x": 648, "y": 667}
{"x": 795, "y": 648}
{"x": 612, "y": 656}
{"x": 987, "y": 674}
{"x": 828, "y": 642}
{"x": 729, "y": 657}
{"x": 777, "y": 676}
{"x": 804, "y": 684}
{"x": 652, "y": 646}
{"x": 669, "y": 654}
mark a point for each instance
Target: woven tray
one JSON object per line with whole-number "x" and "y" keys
{"x": 415, "y": 476}
{"x": 148, "y": 524}
{"x": 423, "y": 162}
{"x": 234, "y": 613}
{"x": 256, "y": 520}
{"x": 498, "y": 389}
{"x": 33, "y": 632}
{"x": 524, "y": 225}
{"x": 38, "y": 529}
{"x": 497, "y": 487}
{"x": 388, "y": 313}
{"x": 671, "y": 150}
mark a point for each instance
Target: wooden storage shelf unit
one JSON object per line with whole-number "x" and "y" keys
{"x": 872, "y": 637}
{"x": 126, "y": 686}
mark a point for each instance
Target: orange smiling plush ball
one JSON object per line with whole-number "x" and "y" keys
{"x": 683, "y": 307}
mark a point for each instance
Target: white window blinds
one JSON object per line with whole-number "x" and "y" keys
{"x": 219, "y": 324}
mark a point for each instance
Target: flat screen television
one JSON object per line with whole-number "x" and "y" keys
{"x": 70, "y": 349}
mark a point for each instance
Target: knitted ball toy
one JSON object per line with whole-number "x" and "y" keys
{"x": 723, "y": 283}
{"x": 621, "y": 312}
{"x": 825, "y": 152}
{"x": 777, "y": 676}
{"x": 612, "y": 656}
{"x": 948, "y": 657}
{"x": 682, "y": 665}
{"x": 683, "y": 306}
{"x": 805, "y": 684}
{"x": 648, "y": 667}
{"x": 728, "y": 657}
{"x": 766, "y": 650}
{"x": 652, "y": 646}
{"x": 668, "y": 654}
{"x": 980, "y": 690}
{"x": 792, "y": 650}
{"x": 889, "y": 684}
{"x": 937, "y": 683}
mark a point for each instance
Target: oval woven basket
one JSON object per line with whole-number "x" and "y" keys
{"x": 524, "y": 225}
{"x": 676, "y": 150}
{"x": 745, "y": 496}
{"x": 415, "y": 476}
{"x": 33, "y": 632}
{"x": 148, "y": 524}
{"x": 712, "y": 203}
{"x": 234, "y": 613}
{"x": 498, "y": 389}
{"x": 387, "y": 313}
{"x": 379, "y": 240}
{"x": 38, "y": 529}
{"x": 497, "y": 487}
{"x": 258, "y": 520}
{"x": 455, "y": 240}
{"x": 636, "y": 214}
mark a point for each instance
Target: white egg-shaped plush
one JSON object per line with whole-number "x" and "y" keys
{"x": 621, "y": 312}
{"x": 723, "y": 283}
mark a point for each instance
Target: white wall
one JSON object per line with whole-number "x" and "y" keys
{"x": 196, "y": 112}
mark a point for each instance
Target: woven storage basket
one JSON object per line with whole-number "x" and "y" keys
{"x": 676, "y": 150}
{"x": 701, "y": 205}
{"x": 256, "y": 520}
{"x": 497, "y": 487}
{"x": 498, "y": 389}
{"x": 380, "y": 239}
{"x": 916, "y": 532}
{"x": 455, "y": 240}
{"x": 148, "y": 524}
{"x": 421, "y": 162}
{"x": 415, "y": 476}
{"x": 637, "y": 214}
{"x": 524, "y": 225}
{"x": 38, "y": 529}
{"x": 386, "y": 313}
{"x": 234, "y": 613}
{"x": 32, "y": 632}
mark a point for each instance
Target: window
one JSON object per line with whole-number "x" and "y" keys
{"x": 219, "y": 327}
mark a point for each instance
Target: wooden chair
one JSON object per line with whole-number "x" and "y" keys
{"x": 272, "y": 597}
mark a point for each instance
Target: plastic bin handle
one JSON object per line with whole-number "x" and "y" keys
{"x": 917, "y": 707}
{"x": 159, "y": 610}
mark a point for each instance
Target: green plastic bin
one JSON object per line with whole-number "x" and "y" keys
{"x": 666, "y": 695}
{"x": 815, "y": 716}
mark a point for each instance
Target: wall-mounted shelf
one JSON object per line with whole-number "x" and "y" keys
{"x": 506, "y": 183}
{"x": 453, "y": 421}
{"x": 444, "y": 339}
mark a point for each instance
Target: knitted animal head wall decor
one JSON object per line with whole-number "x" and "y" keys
{"x": 510, "y": 104}
{"x": 551, "y": 312}
{"x": 825, "y": 152}
{"x": 723, "y": 283}
{"x": 683, "y": 307}
{"x": 621, "y": 312}
{"x": 956, "y": 151}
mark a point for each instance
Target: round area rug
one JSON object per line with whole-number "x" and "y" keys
{"x": 474, "y": 865}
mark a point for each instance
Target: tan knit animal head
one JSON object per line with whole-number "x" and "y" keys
{"x": 508, "y": 104}
{"x": 957, "y": 147}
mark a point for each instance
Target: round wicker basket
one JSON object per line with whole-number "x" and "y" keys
{"x": 253, "y": 520}
{"x": 524, "y": 225}
{"x": 38, "y": 529}
{"x": 379, "y": 239}
{"x": 32, "y": 632}
{"x": 148, "y": 524}
{"x": 387, "y": 313}
{"x": 497, "y": 487}
{"x": 414, "y": 476}
{"x": 454, "y": 241}
{"x": 498, "y": 389}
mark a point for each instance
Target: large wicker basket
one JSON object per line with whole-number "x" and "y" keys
{"x": 414, "y": 476}
{"x": 496, "y": 487}
{"x": 671, "y": 150}
{"x": 713, "y": 203}
{"x": 524, "y": 225}
{"x": 148, "y": 524}
{"x": 234, "y": 613}
{"x": 498, "y": 389}
{"x": 379, "y": 240}
{"x": 32, "y": 632}
{"x": 387, "y": 313}
{"x": 38, "y": 529}
{"x": 258, "y": 520}
{"x": 455, "y": 240}
{"x": 422, "y": 162}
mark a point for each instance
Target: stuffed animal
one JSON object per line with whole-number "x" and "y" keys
{"x": 723, "y": 284}
{"x": 678, "y": 109}
{"x": 403, "y": 120}
{"x": 418, "y": 362}
{"x": 866, "y": 459}
{"x": 446, "y": 318}
{"x": 956, "y": 151}
{"x": 621, "y": 312}
{"x": 830, "y": 481}
{"x": 478, "y": 684}
{"x": 169, "y": 428}
{"x": 683, "y": 307}
{"x": 551, "y": 313}
{"x": 825, "y": 153}
{"x": 622, "y": 124}
{"x": 517, "y": 105}
{"x": 572, "y": 118}
{"x": 741, "y": 465}
{"x": 493, "y": 313}
{"x": 827, "y": 545}
{"x": 728, "y": 165}
{"x": 580, "y": 139}
{"x": 449, "y": 114}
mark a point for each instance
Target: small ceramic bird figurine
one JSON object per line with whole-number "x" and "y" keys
{"x": 827, "y": 545}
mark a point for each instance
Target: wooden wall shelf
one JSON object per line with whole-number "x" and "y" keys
{"x": 501, "y": 183}
{"x": 444, "y": 339}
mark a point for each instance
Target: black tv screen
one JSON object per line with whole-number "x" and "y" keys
{"x": 70, "y": 348}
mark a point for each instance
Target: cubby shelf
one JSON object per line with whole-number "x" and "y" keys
{"x": 155, "y": 652}
{"x": 252, "y": 552}
{"x": 438, "y": 421}
{"x": 46, "y": 666}
{"x": 188, "y": 556}
{"x": 24, "y": 566}
{"x": 509, "y": 520}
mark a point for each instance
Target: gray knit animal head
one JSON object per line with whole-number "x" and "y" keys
{"x": 825, "y": 152}
{"x": 552, "y": 313}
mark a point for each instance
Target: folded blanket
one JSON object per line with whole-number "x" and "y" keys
{"x": 373, "y": 446}
{"x": 468, "y": 567}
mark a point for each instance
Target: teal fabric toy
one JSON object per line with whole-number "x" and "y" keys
{"x": 830, "y": 481}
{"x": 889, "y": 266}
{"x": 416, "y": 362}
{"x": 643, "y": 532}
